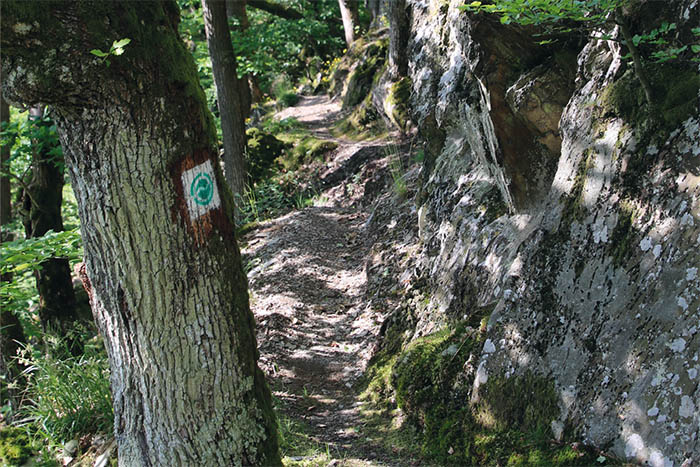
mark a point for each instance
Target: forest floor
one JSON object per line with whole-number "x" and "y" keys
{"x": 308, "y": 285}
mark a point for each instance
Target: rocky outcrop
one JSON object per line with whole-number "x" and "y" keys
{"x": 554, "y": 204}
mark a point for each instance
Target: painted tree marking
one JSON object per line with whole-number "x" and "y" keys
{"x": 201, "y": 194}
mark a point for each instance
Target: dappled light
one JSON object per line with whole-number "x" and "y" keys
{"x": 350, "y": 233}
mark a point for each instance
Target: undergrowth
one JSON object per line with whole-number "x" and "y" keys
{"x": 67, "y": 397}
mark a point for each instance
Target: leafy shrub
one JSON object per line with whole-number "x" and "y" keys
{"x": 19, "y": 257}
{"x": 275, "y": 126}
{"x": 261, "y": 201}
{"x": 263, "y": 149}
{"x": 288, "y": 99}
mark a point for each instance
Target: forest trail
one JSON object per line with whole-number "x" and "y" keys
{"x": 308, "y": 283}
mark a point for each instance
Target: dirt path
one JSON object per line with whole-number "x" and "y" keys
{"x": 307, "y": 283}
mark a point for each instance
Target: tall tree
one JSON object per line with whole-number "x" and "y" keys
{"x": 398, "y": 38}
{"x": 5, "y": 193}
{"x": 164, "y": 272}
{"x": 228, "y": 92}
{"x": 351, "y": 18}
{"x": 41, "y": 212}
{"x": 11, "y": 332}
{"x": 249, "y": 87}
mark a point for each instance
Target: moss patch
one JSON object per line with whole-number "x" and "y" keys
{"x": 363, "y": 123}
{"x": 15, "y": 446}
{"x": 494, "y": 207}
{"x": 432, "y": 384}
{"x": 527, "y": 402}
{"x": 304, "y": 148}
{"x": 623, "y": 237}
{"x": 574, "y": 208}
{"x": 675, "y": 89}
{"x": 361, "y": 78}
{"x": 399, "y": 97}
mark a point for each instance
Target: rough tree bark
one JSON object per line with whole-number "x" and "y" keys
{"x": 350, "y": 15}
{"x": 373, "y": 6}
{"x": 249, "y": 88}
{"x": 228, "y": 92}
{"x": 276, "y": 9}
{"x": 166, "y": 284}
{"x": 41, "y": 212}
{"x": 11, "y": 332}
{"x": 5, "y": 193}
{"x": 398, "y": 39}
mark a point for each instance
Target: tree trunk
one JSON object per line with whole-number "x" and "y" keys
{"x": 41, "y": 213}
{"x": 5, "y": 194}
{"x": 164, "y": 272}
{"x": 398, "y": 39}
{"x": 228, "y": 92}
{"x": 374, "y": 11}
{"x": 11, "y": 333}
{"x": 248, "y": 86}
{"x": 350, "y": 15}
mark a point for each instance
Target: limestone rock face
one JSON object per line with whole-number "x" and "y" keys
{"x": 573, "y": 220}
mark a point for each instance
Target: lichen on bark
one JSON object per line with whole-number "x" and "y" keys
{"x": 168, "y": 291}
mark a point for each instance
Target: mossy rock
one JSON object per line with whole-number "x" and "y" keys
{"x": 364, "y": 122}
{"x": 429, "y": 366}
{"x": 15, "y": 446}
{"x": 263, "y": 149}
{"x": 360, "y": 80}
{"x": 302, "y": 149}
{"x": 624, "y": 236}
{"x": 674, "y": 87}
{"x": 399, "y": 99}
{"x": 526, "y": 402}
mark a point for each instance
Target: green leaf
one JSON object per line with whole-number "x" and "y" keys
{"x": 695, "y": 48}
{"x": 99, "y": 53}
{"x": 120, "y": 43}
{"x": 118, "y": 51}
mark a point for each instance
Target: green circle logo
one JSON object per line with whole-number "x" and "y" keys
{"x": 202, "y": 189}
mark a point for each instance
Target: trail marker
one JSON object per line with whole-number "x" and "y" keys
{"x": 201, "y": 194}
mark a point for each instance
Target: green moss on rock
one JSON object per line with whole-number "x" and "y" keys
{"x": 304, "y": 149}
{"x": 527, "y": 402}
{"x": 362, "y": 123}
{"x": 623, "y": 237}
{"x": 399, "y": 97}
{"x": 15, "y": 446}
{"x": 675, "y": 89}
{"x": 574, "y": 208}
{"x": 360, "y": 80}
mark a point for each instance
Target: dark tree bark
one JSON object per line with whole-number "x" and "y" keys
{"x": 11, "y": 337}
{"x": 11, "y": 332}
{"x": 163, "y": 269}
{"x": 5, "y": 193}
{"x": 41, "y": 212}
{"x": 350, "y": 15}
{"x": 228, "y": 92}
{"x": 276, "y": 9}
{"x": 398, "y": 38}
{"x": 373, "y": 6}
{"x": 249, "y": 88}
